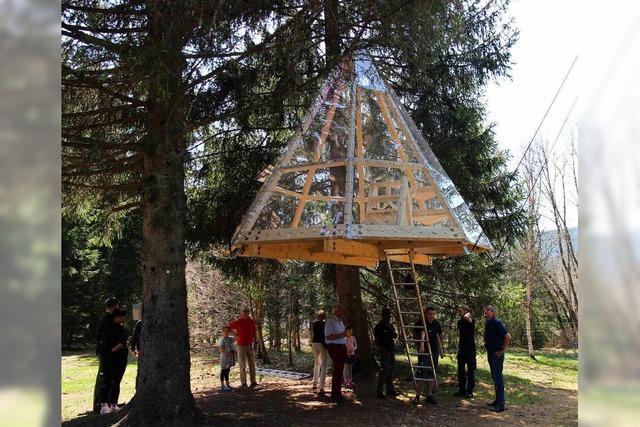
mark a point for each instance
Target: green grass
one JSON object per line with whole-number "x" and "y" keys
{"x": 553, "y": 375}
{"x": 79, "y": 371}
{"x": 525, "y": 379}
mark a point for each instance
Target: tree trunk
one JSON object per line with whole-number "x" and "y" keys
{"x": 347, "y": 280}
{"x": 262, "y": 348}
{"x": 163, "y": 393}
{"x": 290, "y": 326}
{"x": 527, "y": 320}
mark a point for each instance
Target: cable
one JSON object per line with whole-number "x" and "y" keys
{"x": 535, "y": 181}
{"x": 533, "y": 138}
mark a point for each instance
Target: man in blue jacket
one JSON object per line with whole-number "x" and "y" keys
{"x": 496, "y": 340}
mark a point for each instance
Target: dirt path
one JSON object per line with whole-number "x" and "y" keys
{"x": 279, "y": 402}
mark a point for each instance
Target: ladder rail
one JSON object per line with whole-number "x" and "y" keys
{"x": 404, "y": 327}
{"x": 424, "y": 320}
{"x": 406, "y": 345}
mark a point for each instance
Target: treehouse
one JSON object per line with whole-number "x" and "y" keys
{"x": 358, "y": 184}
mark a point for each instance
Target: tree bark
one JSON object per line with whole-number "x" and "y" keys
{"x": 163, "y": 392}
{"x": 347, "y": 280}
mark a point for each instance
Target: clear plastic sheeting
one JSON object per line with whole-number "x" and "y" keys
{"x": 293, "y": 181}
{"x": 318, "y": 212}
{"x": 359, "y": 150}
{"x": 379, "y": 180}
{"x": 454, "y": 200}
{"x": 329, "y": 182}
{"x": 327, "y": 137}
{"x": 366, "y": 74}
{"x": 377, "y": 141}
{"x": 277, "y": 213}
{"x": 470, "y": 226}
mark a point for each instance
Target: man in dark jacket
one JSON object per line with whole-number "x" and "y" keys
{"x": 496, "y": 340}
{"x": 384, "y": 334}
{"x": 103, "y": 325}
{"x": 114, "y": 354}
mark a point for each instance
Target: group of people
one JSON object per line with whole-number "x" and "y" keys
{"x": 331, "y": 337}
{"x": 330, "y": 340}
{"x": 112, "y": 349}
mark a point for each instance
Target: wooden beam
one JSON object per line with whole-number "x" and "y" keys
{"x": 304, "y": 253}
{"x": 317, "y": 165}
{"x": 402, "y": 217}
{"x": 429, "y": 219}
{"x": 327, "y": 124}
{"x": 319, "y": 197}
{"x": 352, "y": 248}
{"x": 417, "y": 259}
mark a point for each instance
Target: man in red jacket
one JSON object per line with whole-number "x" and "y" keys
{"x": 245, "y": 329}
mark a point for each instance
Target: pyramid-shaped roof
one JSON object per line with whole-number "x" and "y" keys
{"x": 357, "y": 179}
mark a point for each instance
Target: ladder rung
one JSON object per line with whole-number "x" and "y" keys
{"x": 409, "y": 312}
{"x": 401, "y": 269}
{"x": 424, "y": 379}
{"x": 404, "y": 283}
{"x": 417, "y": 340}
{"x": 407, "y": 298}
{"x": 419, "y": 354}
{"x": 413, "y": 326}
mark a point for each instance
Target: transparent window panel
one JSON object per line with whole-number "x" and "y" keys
{"x": 377, "y": 141}
{"x": 381, "y": 181}
{"x": 293, "y": 181}
{"x": 329, "y": 182}
{"x": 277, "y": 213}
{"x": 328, "y": 134}
{"x": 335, "y": 146}
{"x": 306, "y": 149}
{"x": 318, "y": 212}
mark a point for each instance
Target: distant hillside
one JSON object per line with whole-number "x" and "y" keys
{"x": 550, "y": 244}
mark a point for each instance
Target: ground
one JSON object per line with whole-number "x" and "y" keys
{"x": 539, "y": 392}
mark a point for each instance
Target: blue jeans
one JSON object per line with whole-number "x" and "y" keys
{"x": 495, "y": 364}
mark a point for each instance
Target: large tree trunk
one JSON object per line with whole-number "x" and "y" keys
{"x": 347, "y": 280}
{"x": 163, "y": 394}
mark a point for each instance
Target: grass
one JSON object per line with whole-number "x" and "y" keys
{"x": 549, "y": 381}
{"x": 79, "y": 371}
{"x": 525, "y": 379}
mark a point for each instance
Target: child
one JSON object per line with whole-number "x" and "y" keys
{"x": 351, "y": 345}
{"x": 227, "y": 358}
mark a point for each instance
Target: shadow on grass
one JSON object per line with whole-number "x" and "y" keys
{"x": 286, "y": 402}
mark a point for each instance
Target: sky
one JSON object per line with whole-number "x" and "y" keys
{"x": 552, "y": 33}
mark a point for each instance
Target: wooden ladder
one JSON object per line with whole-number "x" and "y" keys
{"x": 405, "y": 283}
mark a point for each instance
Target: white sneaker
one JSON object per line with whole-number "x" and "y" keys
{"x": 105, "y": 410}
{"x": 114, "y": 408}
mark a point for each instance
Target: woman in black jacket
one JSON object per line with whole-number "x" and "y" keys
{"x": 115, "y": 359}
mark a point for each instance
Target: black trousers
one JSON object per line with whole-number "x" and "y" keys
{"x": 466, "y": 378}
{"x": 385, "y": 376}
{"x": 99, "y": 384}
{"x": 224, "y": 375}
{"x": 114, "y": 367}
